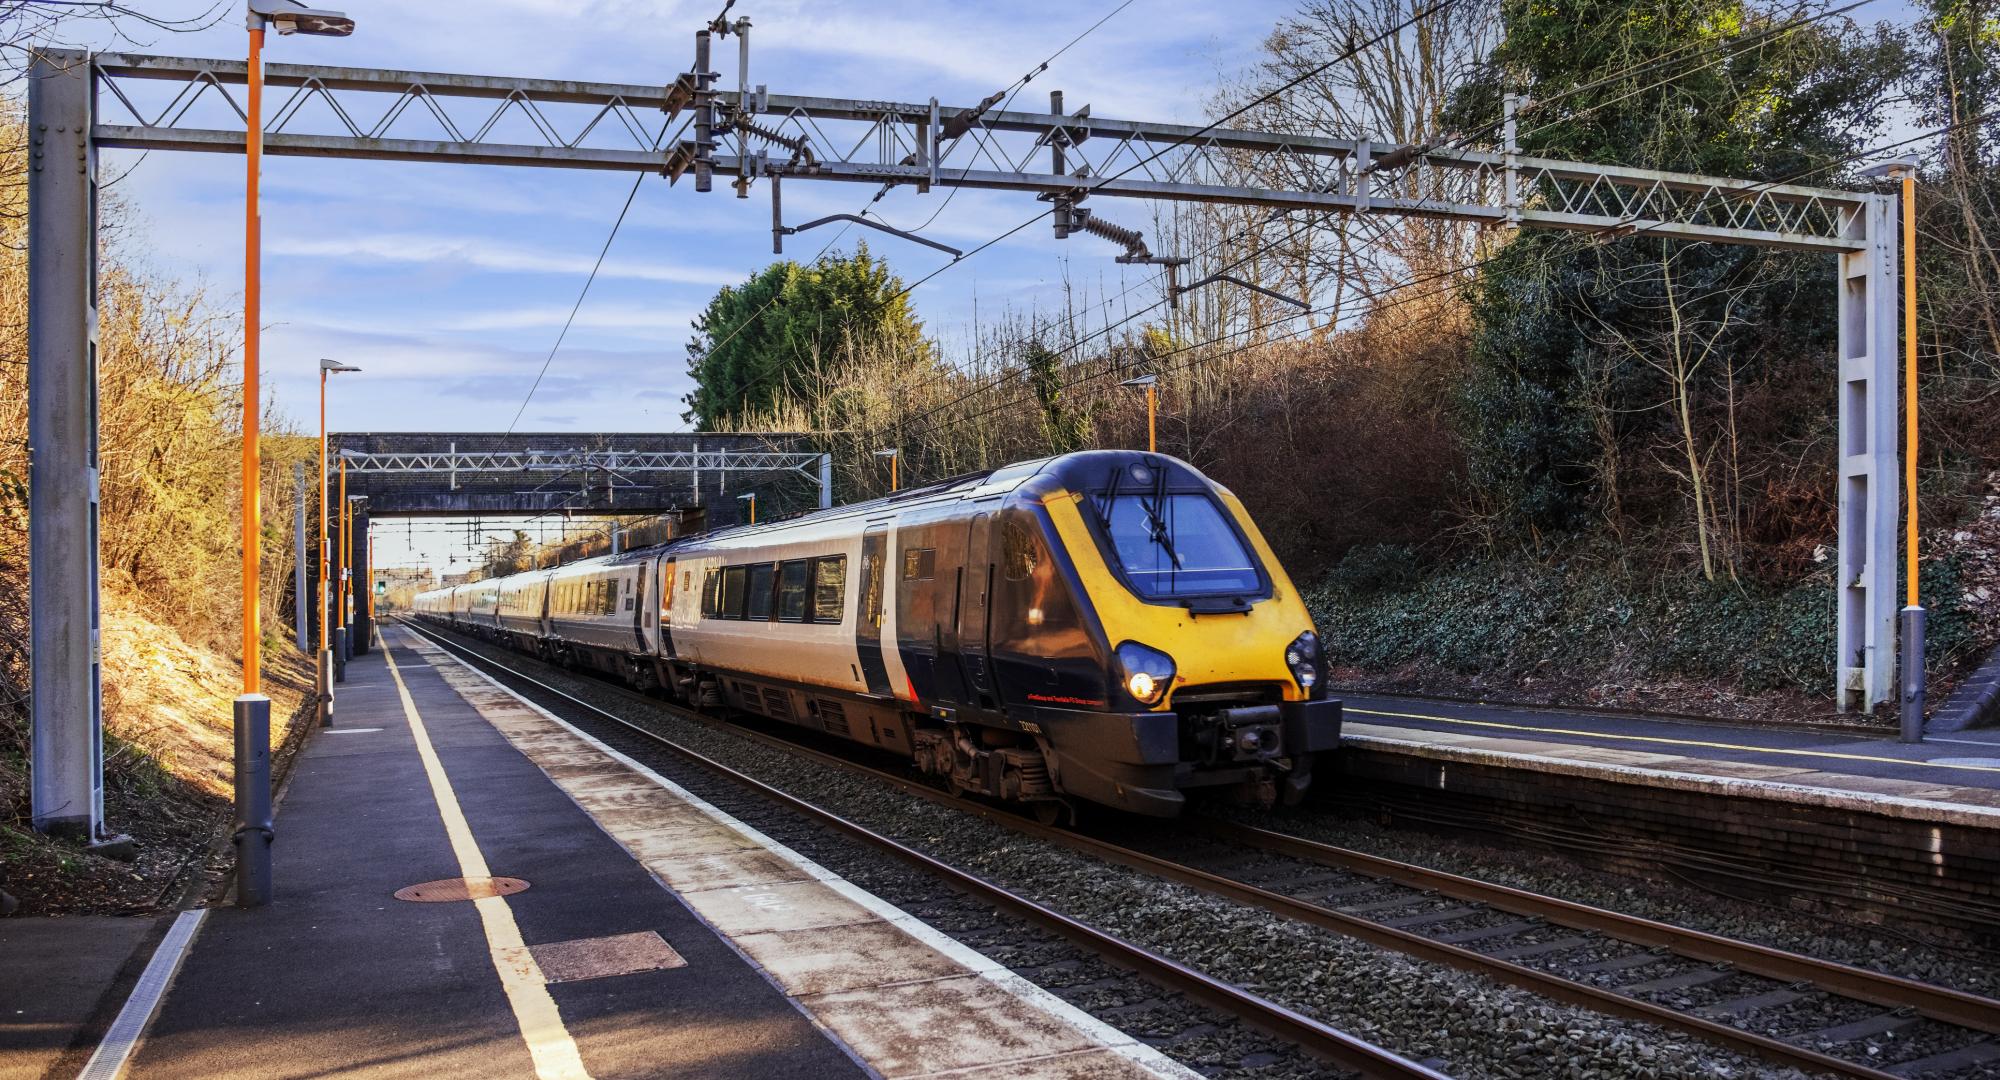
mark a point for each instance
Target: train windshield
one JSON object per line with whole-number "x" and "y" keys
{"x": 1173, "y": 545}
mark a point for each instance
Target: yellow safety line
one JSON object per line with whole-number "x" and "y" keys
{"x": 549, "y": 1042}
{"x": 1679, "y": 742}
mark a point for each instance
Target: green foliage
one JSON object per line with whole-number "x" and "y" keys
{"x": 1064, "y": 426}
{"x": 1368, "y": 569}
{"x": 1560, "y": 391}
{"x": 1519, "y": 616}
{"x": 790, "y": 326}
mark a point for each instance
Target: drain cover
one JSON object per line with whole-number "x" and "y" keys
{"x": 458, "y": 888}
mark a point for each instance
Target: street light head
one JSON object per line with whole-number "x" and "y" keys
{"x": 1141, "y": 381}
{"x": 888, "y": 453}
{"x": 1892, "y": 169}
{"x": 750, "y": 495}
{"x": 290, "y": 17}
{"x": 335, "y": 366}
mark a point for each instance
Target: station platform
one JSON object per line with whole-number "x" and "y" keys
{"x": 1954, "y": 778}
{"x": 468, "y": 886}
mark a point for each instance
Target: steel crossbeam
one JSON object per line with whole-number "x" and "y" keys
{"x": 496, "y": 120}
{"x": 565, "y": 461}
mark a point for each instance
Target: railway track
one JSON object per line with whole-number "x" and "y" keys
{"x": 1722, "y": 989}
{"x": 1316, "y": 1038}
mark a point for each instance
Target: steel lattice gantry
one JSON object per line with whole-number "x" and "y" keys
{"x": 493, "y": 473}
{"x": 80, "y": 102}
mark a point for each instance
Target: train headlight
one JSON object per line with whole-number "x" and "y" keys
{"x": 1302, "y": 657}
{"x": 1148, "y": 672}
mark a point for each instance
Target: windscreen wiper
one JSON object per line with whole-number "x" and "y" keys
{"x": 1161, "y": 534}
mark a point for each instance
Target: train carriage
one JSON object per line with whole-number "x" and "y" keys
{"x": 521, "y": 613}
{"x": 1106, "y": 626}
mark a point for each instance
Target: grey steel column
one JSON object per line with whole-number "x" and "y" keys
{"x": 300, "y": 599}
{"x": 825, "y": 481}
{"x": 1865, "y": 627}
{"x": 1912, "y": 705}
{"x": 67, "y": 758}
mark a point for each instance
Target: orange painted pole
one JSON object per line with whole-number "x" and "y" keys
{"x": 895, "y": 477}
{"x": 344, "y": 582}
{"x": 1910, "y": 375}
{"x": 325, "y": 551}
{"x": 1152, "y": 430}
{"x": 252, "y": 464}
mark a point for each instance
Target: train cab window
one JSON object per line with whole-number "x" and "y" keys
{"x": 759, "y": 605}
{"x": 829, "y": 588}
{"x": 711, "y": 594}
{"x": 792, "y": 590}
{"x": 919, "y": 564}
{"x": 1177, "y": 545}
{"x": 735, "y": 582}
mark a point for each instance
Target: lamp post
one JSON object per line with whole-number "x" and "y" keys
{"x": 894, "y": 456}
{"x": 1912, "y": 620}
{"x": 1149, "y": 383}
{"x": 325, "y": 656}
{"x": 251, "y": 718}
{"x": 752, "y": 498}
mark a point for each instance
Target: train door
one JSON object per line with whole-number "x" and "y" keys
{"x": 642, "y": 615}
{"x": 974, "y": 591}
{"x": 868, "y": 617}
{"x": 667, "y": 595}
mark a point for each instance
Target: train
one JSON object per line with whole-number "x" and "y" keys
{"x": 1102, "y": 627}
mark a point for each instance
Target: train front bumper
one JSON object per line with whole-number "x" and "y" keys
{"x": 1141, "y": 762}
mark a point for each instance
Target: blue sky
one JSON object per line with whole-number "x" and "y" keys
{"x": 448, "y": 284}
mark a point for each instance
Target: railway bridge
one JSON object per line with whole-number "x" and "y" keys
{"x": 692, "y": 476}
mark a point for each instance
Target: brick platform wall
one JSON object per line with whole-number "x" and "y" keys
{"x": 1847, "y": 864}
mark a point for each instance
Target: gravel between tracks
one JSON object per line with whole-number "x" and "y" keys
{"x": 1667, "y": 901}
{"x": 1468, "y": 1025}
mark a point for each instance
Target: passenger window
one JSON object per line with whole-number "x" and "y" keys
{"x": 792, "y": 589}
{"x": 759, "y": 608}
{"x": 829, "y": 588}
{"x": 735, "y": 580}
{"x": 919, "y": 564}
{"x": 1019, "y": 550}
{"x": 711, "y": 594}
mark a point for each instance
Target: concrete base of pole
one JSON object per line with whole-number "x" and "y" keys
{"x": 340, "y": 654}
{"x": 1913, "y": 674}
{"x": 253, "y": 831}
{"x": 325, "y": 658}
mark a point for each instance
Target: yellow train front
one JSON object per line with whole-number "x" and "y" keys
{"x": 1112, "y": 628}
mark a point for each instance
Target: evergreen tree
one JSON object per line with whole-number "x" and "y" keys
{"x": 768, "y": 339}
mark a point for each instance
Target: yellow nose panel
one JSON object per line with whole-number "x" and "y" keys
{"x": 1206, "y": 648}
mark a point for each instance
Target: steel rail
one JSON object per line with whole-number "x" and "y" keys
{"x": 1940, "y": 1003}
{"x": 1943, "y": 1004}
{"x": 1317, "y": 1038}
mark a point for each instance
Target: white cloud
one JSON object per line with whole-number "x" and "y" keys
{"x": 483, "y": 254}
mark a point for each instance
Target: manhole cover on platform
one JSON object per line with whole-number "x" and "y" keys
{"x": 458, "y": 888}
